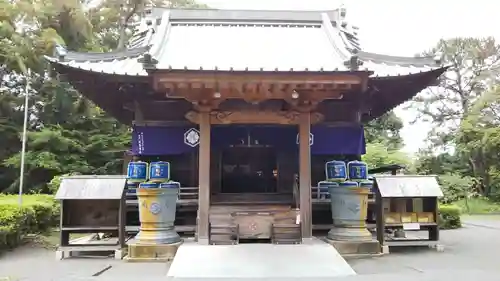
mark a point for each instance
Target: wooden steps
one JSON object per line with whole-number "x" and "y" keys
{"x": 188, "y": 193}
{"x": 229, "y": 223}
{"x": 286, "y": 234}
{"x": 224, "y": 234}
{"x": 252, "y": 199}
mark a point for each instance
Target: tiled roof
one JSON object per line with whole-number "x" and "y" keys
{"x": 243, "y": 40}
{"x": 120, "y": 63}
{"x": 253, "y": 47}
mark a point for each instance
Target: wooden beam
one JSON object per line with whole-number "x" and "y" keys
{"x": 214, "y": 78}
{"x": 161, "y": 123}
{"x": 252, "y": 93}
{"x": 253, "y": 117}
{"x": 305, "y": 174}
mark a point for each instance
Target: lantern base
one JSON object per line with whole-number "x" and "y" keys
{"x": 350, "y": 234}
{"x": 151, "y": 253}
{"x": 157, "y": 237}
{"x": 356, "y": 249}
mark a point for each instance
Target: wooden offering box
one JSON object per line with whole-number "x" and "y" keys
{"x": 407, "y": 203}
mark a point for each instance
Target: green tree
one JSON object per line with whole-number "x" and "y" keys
{"x": 458, "y": 113}
{"x": 474, "y": 65}
{"x": 479, "y": 140}
{"x": 378, "y": 155}
{"x": 67, "y": 133}
{"x": 385, "y": 130}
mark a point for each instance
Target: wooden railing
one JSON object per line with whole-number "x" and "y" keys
{"x": 296, "y": 194}
{"x": 188, "y": 193}
{"x": 317, "y": 194}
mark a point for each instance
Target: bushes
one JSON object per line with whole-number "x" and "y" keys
{"x": 449, "y": 217}
{"x": 455, "y": 188}
{"x": 38, "y": 214}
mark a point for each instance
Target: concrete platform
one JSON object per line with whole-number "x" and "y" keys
{"x": 313, "y": 259}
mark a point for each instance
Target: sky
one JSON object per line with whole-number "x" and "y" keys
{"x": 399, "y": 28}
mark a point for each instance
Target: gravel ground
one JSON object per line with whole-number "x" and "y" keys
{"x": 472, "y": 249}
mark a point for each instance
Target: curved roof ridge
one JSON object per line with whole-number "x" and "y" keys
{"x": 292, "y": 16}
{"x": 162, "y": 9}
{"x": 161, "y": 35}
{"x": 62, "y": 53}
{"x": 333, "y": 36}
{"x": 399, "y": 60}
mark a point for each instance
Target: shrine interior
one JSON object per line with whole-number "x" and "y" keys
{"x": 248, "y": 165}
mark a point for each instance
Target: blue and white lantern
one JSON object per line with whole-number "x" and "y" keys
{"x": 324, "y": 187}
{"x": 170, "y": 184}
{"x": 137, "y": 172}
{"x": 159, "y": 172}
{"x": 348, "y": 184}
{"x": 131, "y": 187}
{"x": 357, "y": 171}
{"x": 336, "y": 171}
{"x": 148, "y": 185}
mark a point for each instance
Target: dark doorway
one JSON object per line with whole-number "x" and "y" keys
{"x": 249, "y": 170}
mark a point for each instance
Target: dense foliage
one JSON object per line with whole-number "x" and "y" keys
{"x": 67, "y": 133}
{"x": 38, "y": 214}
{"x": 463, "y": 146}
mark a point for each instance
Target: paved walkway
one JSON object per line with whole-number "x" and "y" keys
{"x": 472, "y": 250}
{"x": 312, "y": 259}
{"x": 473, "y": 247}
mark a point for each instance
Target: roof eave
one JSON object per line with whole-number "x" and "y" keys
{"x": 430, "y": 78}
{"x": 400, "y": 61}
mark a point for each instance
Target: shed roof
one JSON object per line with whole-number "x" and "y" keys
{"x": 242, "y": 40}
{"x": 91, "y": 187}
{"x": 408, "y": 186}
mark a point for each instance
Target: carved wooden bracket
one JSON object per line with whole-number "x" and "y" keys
{"x": 303, "y": 105}
{"x": 206, "y": 105}
{"x": 254, "y": 117}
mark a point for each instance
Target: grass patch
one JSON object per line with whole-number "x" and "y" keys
{"x": 478, "y": 206}
{"x": 28, "y": 199}
{"x": 482, "y": 217}
{"x": 49, "y": 239}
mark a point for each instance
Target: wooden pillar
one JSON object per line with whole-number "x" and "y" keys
{"x": 305, "y": 175}
{"x": 204, "y": 178}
